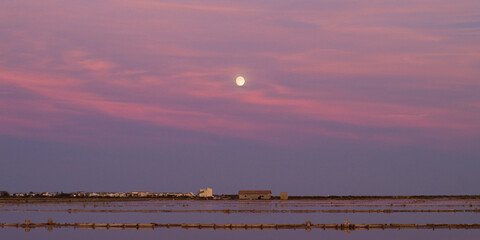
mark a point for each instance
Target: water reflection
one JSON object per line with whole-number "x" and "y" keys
{"x": 81, "y": 234}
{"x": 244, "y": 212}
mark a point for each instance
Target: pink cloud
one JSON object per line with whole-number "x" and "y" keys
{"x": 285, "y": 102}
{"x": 83, "y": 61}
{"x": 148, "y": 4}
{"x": 170, "y": 64}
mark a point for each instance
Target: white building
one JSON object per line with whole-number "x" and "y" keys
{"x": 205, "y": 193}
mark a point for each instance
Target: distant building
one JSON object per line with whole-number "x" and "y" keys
{"x": 140, "y": 194}
{"x": 93, "y": 194}
{"x": 254, "y": 195}
{"x": 205, "y": 193}
{"x": 189, "y": 195}
{"x": 283, "y": 195}
{"x": 81, "y": 194}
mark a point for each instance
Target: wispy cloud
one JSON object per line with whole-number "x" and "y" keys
{"x": 308, "y": 68}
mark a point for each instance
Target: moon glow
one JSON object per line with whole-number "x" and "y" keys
{"x": 240, "y": 81}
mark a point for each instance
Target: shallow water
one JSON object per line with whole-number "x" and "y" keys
{"x": 73, "y": 234}
{"x": 267, "y": 212}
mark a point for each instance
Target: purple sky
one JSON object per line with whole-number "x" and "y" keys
{"x": 341, "y": 97}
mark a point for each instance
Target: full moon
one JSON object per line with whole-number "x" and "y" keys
{"x": 240, "y": 81}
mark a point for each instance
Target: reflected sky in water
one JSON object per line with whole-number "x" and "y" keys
{"x": 59, "y": 212}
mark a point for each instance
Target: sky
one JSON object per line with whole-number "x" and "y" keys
{"x": 377, "y": 97}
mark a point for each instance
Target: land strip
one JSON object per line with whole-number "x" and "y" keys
{"x": 346, "y": 226}
{"x": 41, "y": 199}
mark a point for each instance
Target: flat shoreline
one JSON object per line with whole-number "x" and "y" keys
{"x": 227, "y": 197}
{"x": 346, "y": 226}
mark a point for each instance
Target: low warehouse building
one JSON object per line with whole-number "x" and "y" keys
{"x": 254, "y": 195}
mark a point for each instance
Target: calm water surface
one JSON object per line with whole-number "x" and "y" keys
{"x": 13, "y": 213}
